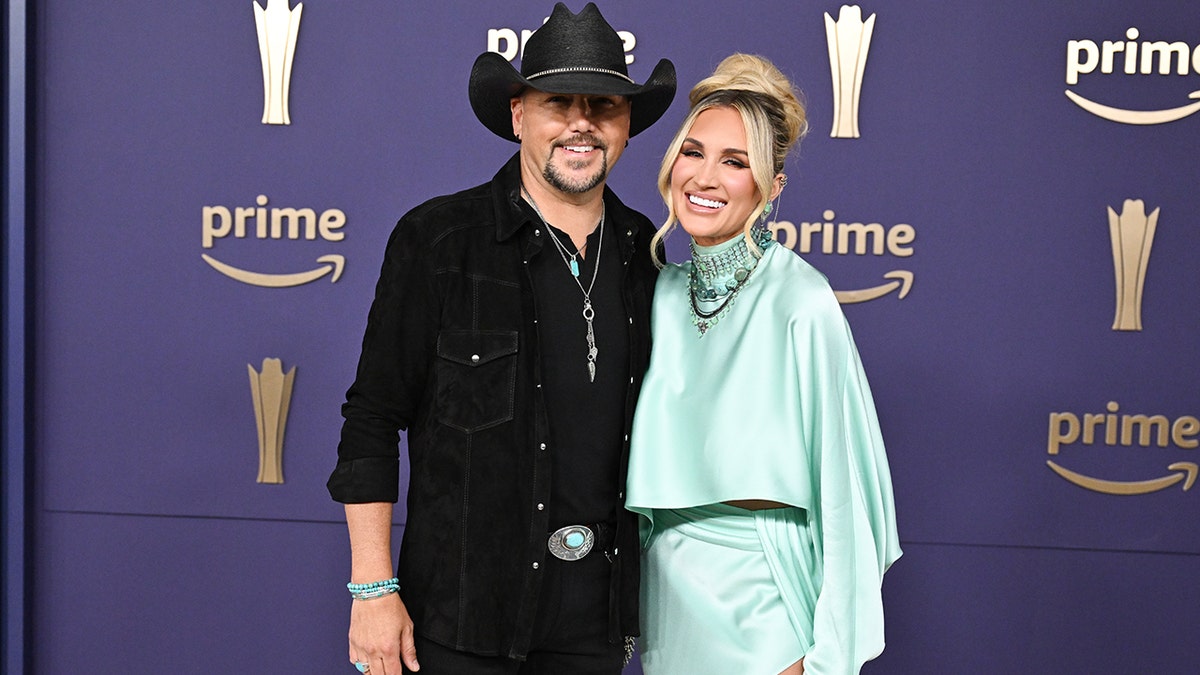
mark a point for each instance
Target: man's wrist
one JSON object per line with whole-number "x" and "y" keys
{"x": 374, "y": 589}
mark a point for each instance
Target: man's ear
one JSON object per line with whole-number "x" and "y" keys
{"x": 517, "y": 106}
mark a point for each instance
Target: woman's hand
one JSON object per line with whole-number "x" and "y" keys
{"x": 381, "y": 635}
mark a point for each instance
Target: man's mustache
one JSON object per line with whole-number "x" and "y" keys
{"x": 583, "y": 139}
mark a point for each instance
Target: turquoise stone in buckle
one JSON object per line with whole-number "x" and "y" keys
{"x": 571, "y": 542}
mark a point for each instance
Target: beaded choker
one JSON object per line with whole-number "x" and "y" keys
{"x": 718, "y": 272}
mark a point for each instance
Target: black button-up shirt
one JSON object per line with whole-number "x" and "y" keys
{"x": 451, "y": 355}
{"x": 586, "y": 407}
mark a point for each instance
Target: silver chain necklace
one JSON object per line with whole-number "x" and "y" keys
{"x": 570, "y": 259}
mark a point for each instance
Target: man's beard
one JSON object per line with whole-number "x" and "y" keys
{"x": 565, "y": 184}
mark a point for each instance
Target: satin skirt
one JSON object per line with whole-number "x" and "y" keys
{"x": 727, "y": 591}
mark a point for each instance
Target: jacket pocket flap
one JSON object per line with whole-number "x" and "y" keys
{"x": 476, "y": 347}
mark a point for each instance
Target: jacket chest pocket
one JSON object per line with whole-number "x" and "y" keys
{"x": 476, "y": 378}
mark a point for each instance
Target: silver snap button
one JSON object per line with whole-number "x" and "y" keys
{"x": 474, "y": 358}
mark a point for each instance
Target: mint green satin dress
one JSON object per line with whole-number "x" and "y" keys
{"x": 771, "y": 403}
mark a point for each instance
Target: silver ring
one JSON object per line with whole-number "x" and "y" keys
{"x": 571, "y": 542}
{"x": 361, "y": 666}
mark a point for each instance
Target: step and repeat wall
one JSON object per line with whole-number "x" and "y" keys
{"x": 1004, "y": 195}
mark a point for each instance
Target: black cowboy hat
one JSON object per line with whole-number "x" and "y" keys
{"x": 570, "y": 54}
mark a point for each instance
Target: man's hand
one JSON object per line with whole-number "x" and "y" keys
{"x": 381, "y": 635}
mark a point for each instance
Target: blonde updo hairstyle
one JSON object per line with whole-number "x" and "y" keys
{"x": 774, "y": 118}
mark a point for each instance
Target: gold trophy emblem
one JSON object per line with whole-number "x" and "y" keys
{"x": 1132, "y": 234}
{"x": 272, "y": 393}
{"x": 277, "y": 29}
{"x": 849, "y": 40}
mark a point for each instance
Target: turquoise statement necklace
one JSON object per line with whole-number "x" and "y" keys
{"x": 718, "y": 272}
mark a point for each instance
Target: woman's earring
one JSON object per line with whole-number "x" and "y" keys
{"x": 783, "y": 180}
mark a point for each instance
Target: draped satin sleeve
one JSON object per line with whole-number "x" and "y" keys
{"x": 773, "y": 403}
{"x": 854, "y": 527}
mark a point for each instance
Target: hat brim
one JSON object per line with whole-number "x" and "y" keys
{"x": 494, "y": 82}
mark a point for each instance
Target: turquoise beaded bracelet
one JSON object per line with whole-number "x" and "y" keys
{"x": 375, "y": 589}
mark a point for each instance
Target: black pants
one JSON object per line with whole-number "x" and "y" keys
{"x": 570, "y": 632}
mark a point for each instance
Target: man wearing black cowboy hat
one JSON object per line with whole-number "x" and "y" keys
{"x": 508, "y": 336}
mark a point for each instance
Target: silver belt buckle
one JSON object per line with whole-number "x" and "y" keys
{"x": 572, "y": 542}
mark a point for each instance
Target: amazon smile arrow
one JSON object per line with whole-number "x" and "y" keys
{"x": 1135, "y": 116}
{"x": 1185, "y": 471}
{"x": 904, "y": 280}
{"x": 333, "y": 263}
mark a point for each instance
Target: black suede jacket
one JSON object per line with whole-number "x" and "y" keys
{"x": 451, "y": 354}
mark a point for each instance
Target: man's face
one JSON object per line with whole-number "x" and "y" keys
{"x": 570, "y": 140}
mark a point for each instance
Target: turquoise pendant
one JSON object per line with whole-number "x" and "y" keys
{"x": 574, "y": 268}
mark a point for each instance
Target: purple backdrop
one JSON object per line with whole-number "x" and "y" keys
{"x": 155, "y": 545}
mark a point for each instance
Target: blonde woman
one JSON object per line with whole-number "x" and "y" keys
{"x": 757, "y": 460}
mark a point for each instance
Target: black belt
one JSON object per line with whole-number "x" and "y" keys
{"x": 574, "y": 542}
